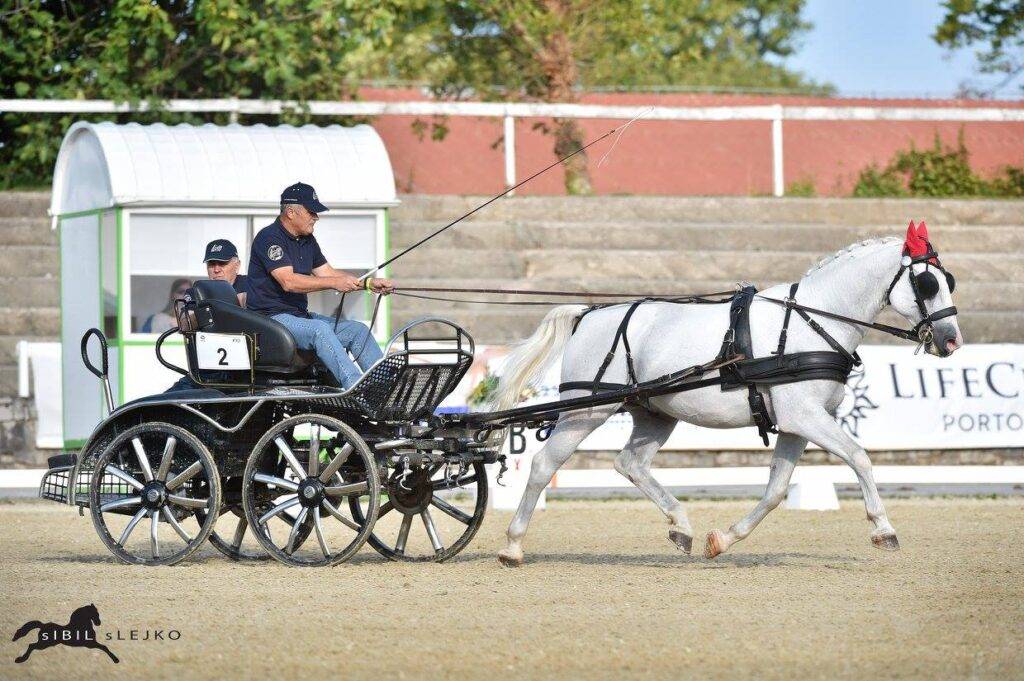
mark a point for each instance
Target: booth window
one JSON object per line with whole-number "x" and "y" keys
{"x": 166, "y": 256}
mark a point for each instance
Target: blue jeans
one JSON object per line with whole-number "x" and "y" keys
{"x": 317, "y": 333}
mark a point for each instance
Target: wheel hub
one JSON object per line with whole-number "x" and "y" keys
{"x": 413, "y": 493}
{"x": 311, "y": 492}
{"x": 154, "y": 495}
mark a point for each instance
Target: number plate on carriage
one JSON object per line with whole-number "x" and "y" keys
{"x": 223, "y": 351}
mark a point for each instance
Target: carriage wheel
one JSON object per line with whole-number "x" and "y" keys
{"x": 446, "y": 505}
{"x": 161, "y": 474}
{"x": 232, "y": 537}
{"x": 313, "y": 464}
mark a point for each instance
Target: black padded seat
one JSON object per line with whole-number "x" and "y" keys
{"x": 277, "y": 351}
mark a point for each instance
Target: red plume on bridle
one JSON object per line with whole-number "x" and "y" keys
{"x": 916, "y": 243}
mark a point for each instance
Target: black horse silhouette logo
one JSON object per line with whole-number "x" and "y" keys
{"x": 78, "y": 632}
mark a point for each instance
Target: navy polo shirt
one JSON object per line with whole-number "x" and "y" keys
{"x": 241, "y": 284}
{"x": 274, "y": 247}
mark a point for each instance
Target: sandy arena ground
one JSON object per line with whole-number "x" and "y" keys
{"x": 603, "y": 594}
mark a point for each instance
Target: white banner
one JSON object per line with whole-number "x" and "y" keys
{"x": 896, "y": 400}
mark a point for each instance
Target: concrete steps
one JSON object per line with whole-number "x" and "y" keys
{"x": 27, "y": 231}
{"x": 695, "y": 264}
{"x": 817, "y": 239}
{"x": 895, "y": 212}
{"x": 24, "y": 204}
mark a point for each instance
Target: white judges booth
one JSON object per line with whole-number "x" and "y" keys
{"x": 136, "y": 205}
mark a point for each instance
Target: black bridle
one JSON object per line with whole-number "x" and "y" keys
{"x": 925, "y": 286}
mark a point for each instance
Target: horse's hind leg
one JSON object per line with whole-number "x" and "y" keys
{"x": 650, "y": 432}
{"x": 788, "y": 449}
{"x": 571, "y": 430}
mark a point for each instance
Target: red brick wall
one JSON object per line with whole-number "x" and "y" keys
{"x": 683, "y": 158}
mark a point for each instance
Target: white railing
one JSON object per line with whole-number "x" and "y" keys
{"x": 509, "y": 111}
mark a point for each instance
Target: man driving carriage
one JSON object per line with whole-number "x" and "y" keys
{"x": 286, "y": 264}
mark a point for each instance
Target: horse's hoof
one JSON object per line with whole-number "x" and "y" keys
{"x": 886, "y": 542}
{"x": 714, "y": 545}
{"x": 509, "y": 560}
{"x": 681, "y": 540}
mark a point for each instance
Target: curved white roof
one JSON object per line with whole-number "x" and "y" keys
{"x": 105, "y": 164}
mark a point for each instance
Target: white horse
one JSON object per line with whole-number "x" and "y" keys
{"x": 666, "y": 337}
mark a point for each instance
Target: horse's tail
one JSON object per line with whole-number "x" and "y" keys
{"x": 532, "y": 356}
{"x": 25, "y": 628}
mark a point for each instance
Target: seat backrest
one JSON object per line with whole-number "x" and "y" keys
{"x": 277, "y": 347}
{"x": 210, "y": 289}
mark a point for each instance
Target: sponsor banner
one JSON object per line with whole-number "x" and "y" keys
{"x": 896, "y": 400}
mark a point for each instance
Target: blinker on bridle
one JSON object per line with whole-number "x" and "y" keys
{"x": 925, "y": 286}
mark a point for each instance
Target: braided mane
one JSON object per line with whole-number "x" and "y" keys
{"x": 851, "y": 250}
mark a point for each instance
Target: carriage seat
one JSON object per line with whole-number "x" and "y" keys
{"x": 218, "y": 311}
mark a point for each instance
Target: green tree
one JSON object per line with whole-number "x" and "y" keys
{"x": 548, "y": 50}
{"x": 996, "y": 27}
{"x": 133, "y": 51}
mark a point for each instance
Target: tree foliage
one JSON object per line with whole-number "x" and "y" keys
{"x": 133, "y": 51}
{"x": 548, "y": 50}
{"x": 996, "y": 27}
{"x": 537, "y": 50}
{"x": 939, "y": 171}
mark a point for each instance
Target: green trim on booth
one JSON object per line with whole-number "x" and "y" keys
{"x": 74, "y": 444}
{"x": 82, "y": 213}
{"x": 119, "y": 322}
{"x": 99, "y": 280}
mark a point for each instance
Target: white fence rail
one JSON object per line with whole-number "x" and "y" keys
{"x": 509, "y": 111}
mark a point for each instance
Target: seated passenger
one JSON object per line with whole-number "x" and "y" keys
{"x": 158, "y": 322}
{"x": 285, "y": 264}
{"x": 222, "y": 264}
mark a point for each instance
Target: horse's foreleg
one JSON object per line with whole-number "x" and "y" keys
{"x": 825, "y": 432}
{"x": 100, "y": 646}
{"x": 788, "y": 449}
{"x": 650, "y": 432}
{"x": 570, "y": 431}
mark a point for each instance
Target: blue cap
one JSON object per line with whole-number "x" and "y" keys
{"x": 303, "y": 195}
{"x": 220, "y": 250}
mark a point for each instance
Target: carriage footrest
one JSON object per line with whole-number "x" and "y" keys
{"x": 54, "y": 485}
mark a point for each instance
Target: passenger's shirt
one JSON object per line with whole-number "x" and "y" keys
{"x": 241, "y": 284}
{"x": 272, "y": 248}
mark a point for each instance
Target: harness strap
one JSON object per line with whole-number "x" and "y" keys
{"x": 785, "y": 320}
{"x": 620, "y": 333}
{"x": 833, "y": 343}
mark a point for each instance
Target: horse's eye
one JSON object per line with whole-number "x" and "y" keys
{"x": 927, "y": 285}
{"x": 951, "y": 282}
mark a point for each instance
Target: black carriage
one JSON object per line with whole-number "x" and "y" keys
{"x": 265, "y": 445}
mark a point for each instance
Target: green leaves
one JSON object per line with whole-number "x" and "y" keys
{"x": 940, "y": 171}
{"x": 134, "y": 51}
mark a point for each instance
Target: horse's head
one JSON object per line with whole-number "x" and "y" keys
{"x": 921, "y": 292}
{"x": 87, "y": 613}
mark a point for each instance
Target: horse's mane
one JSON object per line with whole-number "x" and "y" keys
{"x": 851, "y": 250}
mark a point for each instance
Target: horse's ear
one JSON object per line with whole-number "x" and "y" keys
{"x": 922, "y": 231}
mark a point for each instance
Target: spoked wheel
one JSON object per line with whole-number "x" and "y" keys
{"x": 231, "y": 535}
{"x": 160, "y": 476}
{"x": 430, "y": 514}
{"x": 313, "y": 464}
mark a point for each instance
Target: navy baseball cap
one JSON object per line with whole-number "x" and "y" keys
{"x": 303, "y": 195}
{"x": 220, "y": 250}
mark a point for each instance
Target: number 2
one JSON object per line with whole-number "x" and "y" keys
{"x": 223, "y": 357}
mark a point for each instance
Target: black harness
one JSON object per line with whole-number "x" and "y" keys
{"x": 745, "y": 370}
